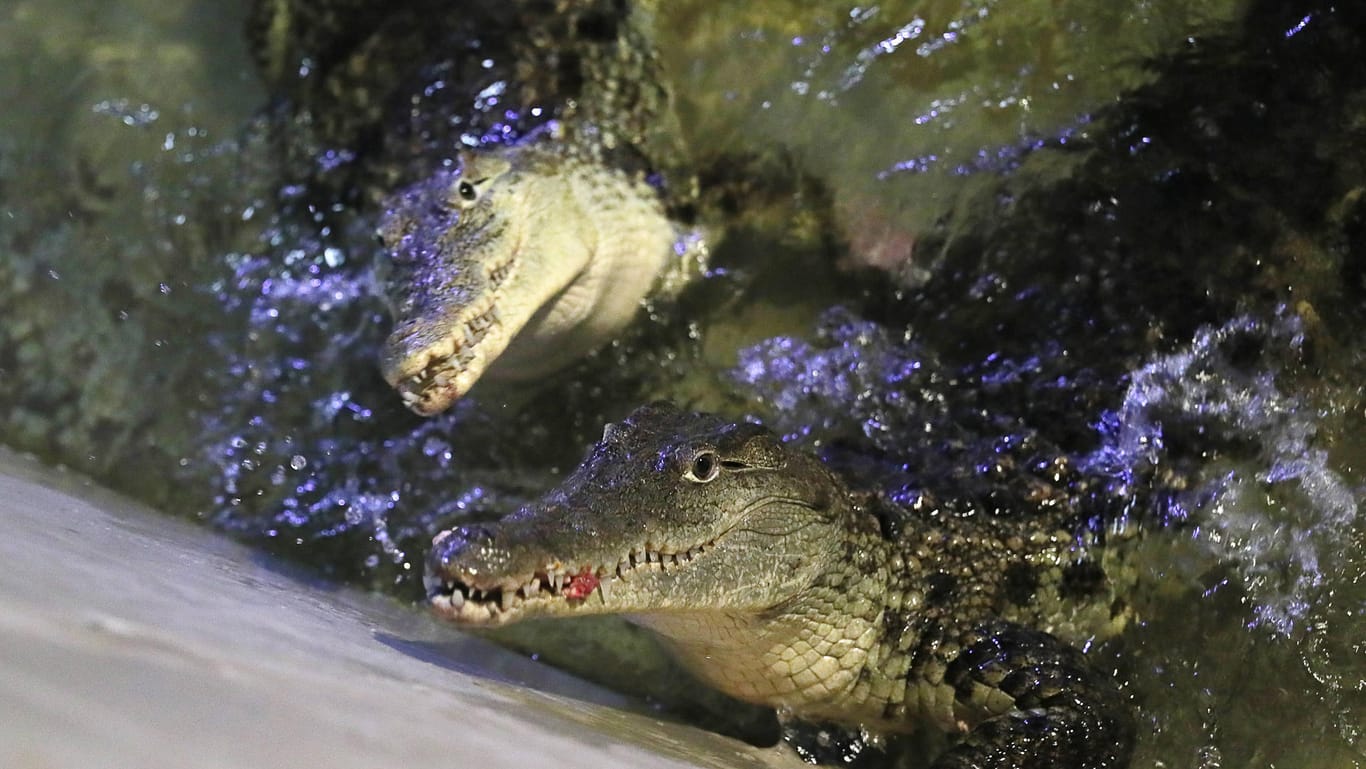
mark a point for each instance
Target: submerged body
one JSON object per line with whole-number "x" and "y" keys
{"x": 775, "y": 583}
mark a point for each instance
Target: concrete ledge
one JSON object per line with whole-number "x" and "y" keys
{"x": 130, "y": 639}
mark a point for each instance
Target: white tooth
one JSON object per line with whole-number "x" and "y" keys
{"x": 651, "y": 557}
{"x": 557, "y": 581}
{"x": 533, "y": 587}
{"x": 409, "y": 396}
{"x": 507, "y": 597}
{"x": 604, "y": 588}
{"x": 457, "y": 599}
{"x": 469, "y": 336}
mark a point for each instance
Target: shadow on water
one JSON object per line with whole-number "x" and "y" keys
{"x": 666, "y": 692}
{"x": 480, "y": 659}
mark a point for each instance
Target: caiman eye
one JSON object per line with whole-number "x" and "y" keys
{"x": 705, "y": 467}
{"x": 466, "y": 190}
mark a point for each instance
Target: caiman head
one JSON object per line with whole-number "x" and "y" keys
{"x": 457, "y": 279}
{"x": 671, "y": 513}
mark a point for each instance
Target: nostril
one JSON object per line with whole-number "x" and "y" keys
{"x": 474, "y": 535}
{"x": 478, "y": 530}
{"x": 463, "y": 543}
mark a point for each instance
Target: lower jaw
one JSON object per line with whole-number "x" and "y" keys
{"x": 471, "y": 614}
{"x": 427, "y": 405}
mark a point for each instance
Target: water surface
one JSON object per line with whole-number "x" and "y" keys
{"x": 1129, "y": 231}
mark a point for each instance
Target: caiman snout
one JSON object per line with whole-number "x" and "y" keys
{"x": 462, "y": 551}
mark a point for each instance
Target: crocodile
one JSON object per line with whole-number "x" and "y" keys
{"x": 529, "y": 225}
{"x": 532, "y": 253}
{"x": 675, "y": 92}
{"x": 515, "y": 264}
{"x": 775, "y": 582}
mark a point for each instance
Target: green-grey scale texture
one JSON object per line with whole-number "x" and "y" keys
{"x": 773, "y": 582}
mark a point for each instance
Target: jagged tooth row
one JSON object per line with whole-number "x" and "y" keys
{"x": 649, "y": 557}
{"x": 484, "y": 320}
{"x": 503, "y": 596}
{"x": 531, "y": 588}
{"x": 553, "y": 578}
{"x": 439, "y": 368}
{"x": 500, "y": 273}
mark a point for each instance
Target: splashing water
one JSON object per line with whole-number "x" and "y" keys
{"x": 1265, "y": 498}
{"x": 1203, "y": 438}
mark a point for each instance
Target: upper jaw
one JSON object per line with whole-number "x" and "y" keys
{"x": 437, "y": 383}
{"x": 451, "y": 310}
{"x": 469, "y": 594}
{"x": 431, "y": 377}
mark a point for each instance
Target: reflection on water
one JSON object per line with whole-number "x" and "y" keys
{"x": 1131, "y": 233}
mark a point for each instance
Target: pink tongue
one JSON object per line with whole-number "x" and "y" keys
{"x": 581, "y": 585}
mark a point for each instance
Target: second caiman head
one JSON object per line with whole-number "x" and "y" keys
{"x": 515, "y": 264}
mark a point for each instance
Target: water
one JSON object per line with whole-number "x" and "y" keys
{"x": 1252, "y": 530}
{"x": 1130, "y": 232}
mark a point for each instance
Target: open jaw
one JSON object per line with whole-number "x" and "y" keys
{"x": 555, "y": 589}
{"x": 451, "y": 365}
{"x": 431, "y": 376}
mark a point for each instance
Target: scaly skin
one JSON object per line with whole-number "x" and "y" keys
{"x": 527, "y": 257}
{"x": 563, "y": 239}
{"x": 775, "y": 583}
